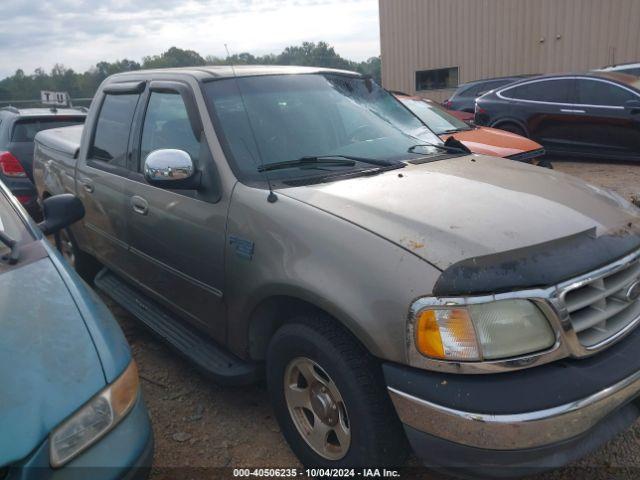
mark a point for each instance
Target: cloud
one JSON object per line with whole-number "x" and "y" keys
{"x": 79, "y": 33}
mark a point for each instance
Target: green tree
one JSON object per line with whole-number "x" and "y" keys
{"x": 104, "y": 69}
{"x": 371, "y": 67}
{"x": 21, "y": 86}
{"x": 174, "y": 57}
{"x": 318, "y": 54}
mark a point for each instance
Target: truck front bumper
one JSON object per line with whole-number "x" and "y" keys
{"x": 513, "y": 423}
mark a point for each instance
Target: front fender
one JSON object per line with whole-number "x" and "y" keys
{"x": 364, "y": 281}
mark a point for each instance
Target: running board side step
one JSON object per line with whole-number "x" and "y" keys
{"x": 224, "y": 367}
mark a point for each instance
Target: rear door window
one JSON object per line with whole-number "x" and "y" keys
{"x": 167, "y": 125}
{"x": 594, "y": 92}
{"x": 113, "y": 129}
{"x": 25, "y": 130}
{"x": 552, "y": 91}
{"x": 487, "y": 86}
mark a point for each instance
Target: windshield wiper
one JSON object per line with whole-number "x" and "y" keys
{"x": 450, "y": 146}
{"x": 324, "y": 160}
{"x": 454, "y": 130}
{"x": 13, "y": 245}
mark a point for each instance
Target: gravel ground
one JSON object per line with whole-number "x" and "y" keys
{"x": 199, "y": 426}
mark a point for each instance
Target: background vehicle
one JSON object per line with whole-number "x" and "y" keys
{"x": 592, "y": 115}
{"x": 18, "y": 127}
{"x": 628, "y": 68}
{"x": 304, "y": 221}
{"x": 484, "y": 140}
{"x": 464, "y": 116}
{"x": 71, "y": 406}
{"x": 465, "y": 96}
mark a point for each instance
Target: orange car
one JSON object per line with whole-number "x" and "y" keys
{"x": 484, "y": 140}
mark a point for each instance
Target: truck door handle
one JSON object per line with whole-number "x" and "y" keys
{"x": 88, "y": 186}
{"x": 568, "y": 110}
{"x": 139, "y": 205}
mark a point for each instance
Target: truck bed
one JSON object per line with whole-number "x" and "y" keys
{"x": 65, "y": 140}
{"x": 54, "y": 160}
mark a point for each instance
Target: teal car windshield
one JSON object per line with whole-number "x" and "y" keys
{"x": 277, "y": 118}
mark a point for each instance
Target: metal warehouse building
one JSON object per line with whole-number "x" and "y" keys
{"x": 429, "y": 47}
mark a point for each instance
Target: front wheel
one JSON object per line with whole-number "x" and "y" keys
{"x": 329, "y": 398}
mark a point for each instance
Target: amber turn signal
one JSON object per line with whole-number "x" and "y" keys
{"x": 446, "y": 334}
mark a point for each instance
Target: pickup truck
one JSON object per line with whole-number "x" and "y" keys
{"x": 302, "y": 224}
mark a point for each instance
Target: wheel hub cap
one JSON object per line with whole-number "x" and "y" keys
{"x": 323, "y": 405}
{"x": 66, "y": 248}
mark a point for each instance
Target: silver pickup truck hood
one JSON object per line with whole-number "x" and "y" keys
{"x": 450, "y": 210}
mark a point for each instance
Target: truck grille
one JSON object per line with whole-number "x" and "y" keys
{"x": 604, "y": 306}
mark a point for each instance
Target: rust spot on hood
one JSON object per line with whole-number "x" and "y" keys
{"x": 413, "y": 245}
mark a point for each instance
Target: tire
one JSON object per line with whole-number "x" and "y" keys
{"x": 366, "y": 431}
{"x": 512, "y": 128}
{"x": 84, "y": 264}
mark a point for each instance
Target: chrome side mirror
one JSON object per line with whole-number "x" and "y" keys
{"x": 170, "y": 168}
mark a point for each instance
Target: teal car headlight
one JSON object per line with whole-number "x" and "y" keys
{"x": 94, "y": 419}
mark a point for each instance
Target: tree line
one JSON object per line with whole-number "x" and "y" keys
{"x": 22, "y": 86}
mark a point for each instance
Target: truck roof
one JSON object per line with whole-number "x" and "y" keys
{"x": 224, "y": 71}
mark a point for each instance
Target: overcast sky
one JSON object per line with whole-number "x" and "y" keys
{"x": 79, "y": 33}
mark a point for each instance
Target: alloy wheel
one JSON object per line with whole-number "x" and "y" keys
{"x": 317, "y": 408}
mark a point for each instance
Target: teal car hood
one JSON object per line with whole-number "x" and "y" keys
{"x": 49, "y": 366}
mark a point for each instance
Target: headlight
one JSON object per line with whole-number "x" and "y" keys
{"x": 485, "y": 331}
{"x": 94, "y": 419}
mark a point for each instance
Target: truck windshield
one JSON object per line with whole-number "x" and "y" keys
{"x": 278, "y": 118}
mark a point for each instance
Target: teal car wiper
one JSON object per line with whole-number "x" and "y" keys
{"x": 13, "y": 245}
{"x": 325, "y": 161}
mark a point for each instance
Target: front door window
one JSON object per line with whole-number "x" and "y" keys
{"x": 166, "y": 125}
